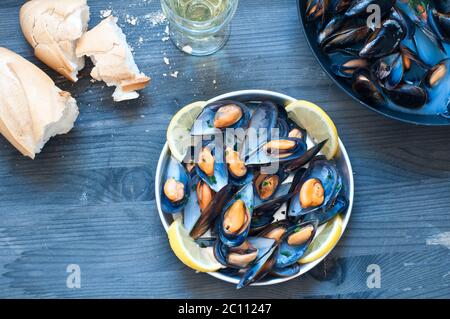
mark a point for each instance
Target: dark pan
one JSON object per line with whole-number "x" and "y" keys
{"x": 345, "y": 86}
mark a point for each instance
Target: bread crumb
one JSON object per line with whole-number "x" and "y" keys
{"x": 156, "y": 18}
{"x": 164, "y": 39}
{"x": 187, "y": 49}
{"x": 166, "y": 60}
{"x": 174, "y": 74}
{"x": 131, "y": 19}
{"x": 214, "y": 81}
{"x": 105, "y": 13}
{"x": 141, "y": 39}
{"x": 164, "y": 74}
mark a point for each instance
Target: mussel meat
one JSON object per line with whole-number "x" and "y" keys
{"x": 317, "y": 188}
{"x": 175, "y": 190}
{"x": 316, "y": 9}
{"x": 294, "y": 243}
{"x": 220, "y": 115}
{"x": 263, "y": 264}
{"x": 236, "y": 217}
{"x": 211, "y": 166}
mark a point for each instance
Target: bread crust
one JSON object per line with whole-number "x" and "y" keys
{"x": 32, "y": 108}
{"x": 114, "y": 64}
{"x": 52, "y": 27}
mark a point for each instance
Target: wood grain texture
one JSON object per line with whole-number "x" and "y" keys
{"x": 88, "y": 198}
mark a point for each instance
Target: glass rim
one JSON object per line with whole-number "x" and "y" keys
{"x": 225, "y": 15}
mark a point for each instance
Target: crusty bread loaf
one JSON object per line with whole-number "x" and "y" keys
{"x": 107, "y": 47}
{"x": 32, "y": 108}
{"x": 53, "y": 28}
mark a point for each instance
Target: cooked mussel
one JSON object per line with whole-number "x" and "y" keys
{"x": 364, "y": 85}
{"x": 316, "y": 189}
{"x": 349, "y": 67}
{"x": 220, "y": 115}
{"x": 294, "y": 243}
{"x": 263, "y": 263}
{"x": 436, "y": 74}
{"x": 278, "y": 151}
{"x": 175, "y": 190}
{"x": 384, "y": 40}
{"x": 275, "y": 230}
{"x": 196, "y": 221}
{"x": 316, "y": 9}
{"x": 407, "y": 95}
{"x": 211, "y": 166}
{"x": 339, "y": 206}
{"x": 359, "y": 8}
{"x": 261, "y": 126}
{"x": 239, "y": 257}
{"x": 236, "y": 217}
{"x": 345, "y": 38}
{"x": 389, "y": 69}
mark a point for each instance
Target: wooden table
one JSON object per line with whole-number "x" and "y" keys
{"x": 88, "y": 199}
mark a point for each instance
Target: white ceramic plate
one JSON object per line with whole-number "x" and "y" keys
{"x": 342, "y": 161}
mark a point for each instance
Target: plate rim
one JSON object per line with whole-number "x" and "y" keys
{"x": 307, "y": 267}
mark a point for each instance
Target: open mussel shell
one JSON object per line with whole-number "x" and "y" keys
{"x": 281, "y": 196}
{"x": 262, "y": 123}
{"x": 176, "y": 188}
{"x": 389, "y": 69}
{"x": 324, "y": 174}
{"x": 276, "y": 230}
{"x": 263, "y": 264}
{"x": 238, "y": 173}
{"x": 339, "y": 206}
{"x": 199, "y": 222}
{"x": 279, "y": 150}
{"x": 294, "y": 243}
{"x": 266, "y": 184}
{"x": 297, "y": 163}
{"x": 236, "y": 216}
{"x": 211, "y": 156}
{"x": 438, "y": 75}
{"x": 348, "y": 67}
{"x": 243, "y": 256}
{"x": 221, "y": 115}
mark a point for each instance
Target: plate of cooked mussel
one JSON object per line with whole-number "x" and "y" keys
{"x": 253, "y": 187}
{"x": 390, "y": 55}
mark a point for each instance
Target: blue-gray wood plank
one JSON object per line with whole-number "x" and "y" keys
{"x": 88, "y": 199}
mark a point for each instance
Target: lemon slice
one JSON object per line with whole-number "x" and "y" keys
{"x": 317, "y": 123}
{"x": 178, "y": 132}
{"x": 326, "y": 238}
{"x": 187, "y": 250}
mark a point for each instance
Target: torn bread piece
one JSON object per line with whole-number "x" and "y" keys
{"x": 32, "y": 108}
{"x": 53, "y": 27}
{"x": 107, "y": 47}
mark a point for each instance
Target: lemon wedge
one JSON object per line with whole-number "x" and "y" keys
{"x": 317, "y": 123}
{"x": 178, "y": 132}
{"x": 326, "y": 238}
{"x": 189, "y": 252}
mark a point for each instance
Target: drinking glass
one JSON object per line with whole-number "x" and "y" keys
{"x": 199, "y": 27}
